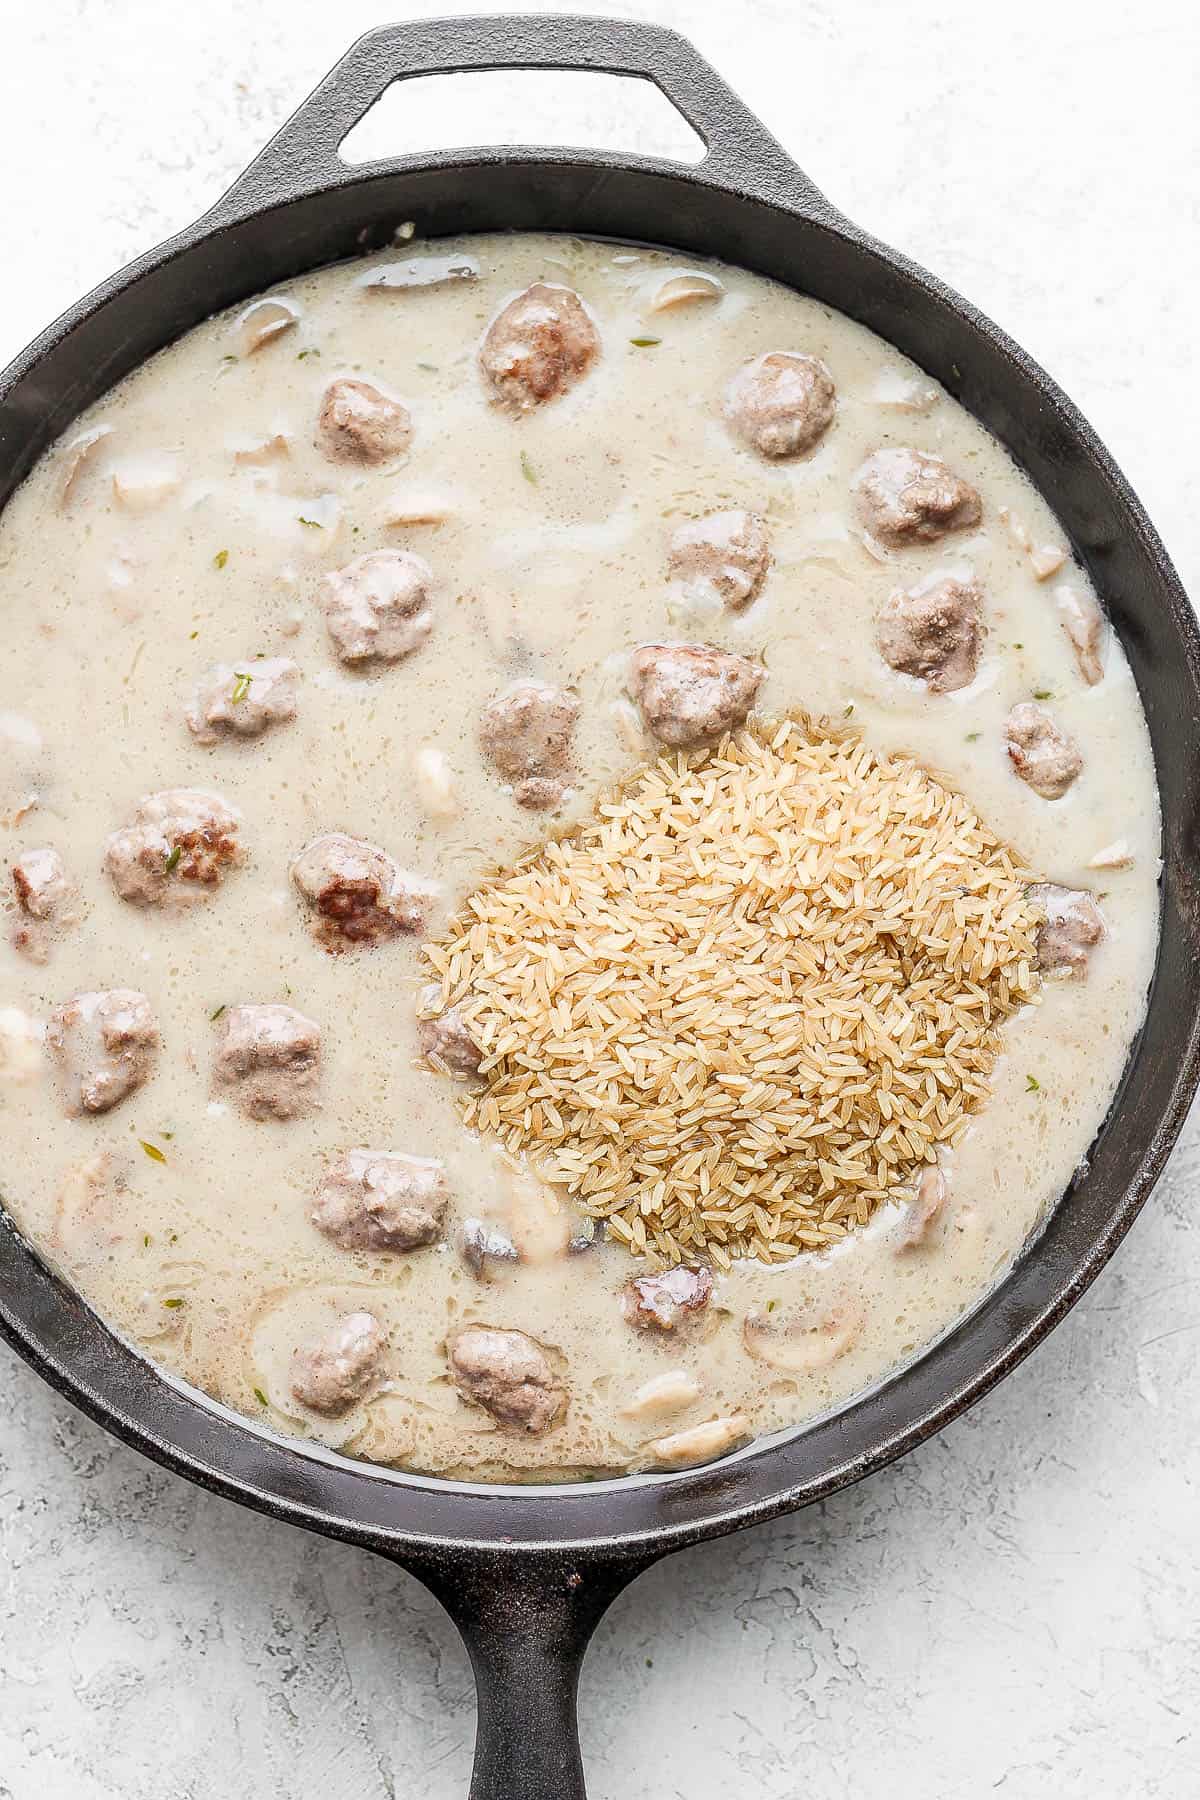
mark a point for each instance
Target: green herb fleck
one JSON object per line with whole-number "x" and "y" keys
{"x": 229, "y": 359}
{"x": 1018, "y": 646}
{"x": 847, "y": 709}
{"x": 649, "y": 1662}
{"x": 214, "y": 1016}
{"x": 174, "y": 1235}
{"x": 527, "y": 469}
{"x": 152, "y": 1151}
{"x": 1043, "y": 693}
{"x": 193, "y": 634}
{"x": 973, "y": 737}
{"x": 173, "y": 1302}
{"x": 219, "y": 561}
{"x": 261, "y": 1397}
{"x": 241, "y": 686}
{"x": 167, "y": 1134}
{"x": 172, "y": 861}
{"x": 301, "y": 354}
{"x": 1032, "y": 1085}
{"x": 645, "y": 343}
{"x": 771, "y": 1305}
{"x": 313, "y": 524}
{"x": 146, "y": 1241}
{"x": 430, "y": 368}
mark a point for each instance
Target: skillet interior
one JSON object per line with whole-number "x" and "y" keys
{"x": 297, "y": 208}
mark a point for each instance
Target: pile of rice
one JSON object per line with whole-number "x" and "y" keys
{"x": 742, "y": 1006}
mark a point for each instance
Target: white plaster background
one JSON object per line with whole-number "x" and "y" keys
{"x": 1016, "y": 1607}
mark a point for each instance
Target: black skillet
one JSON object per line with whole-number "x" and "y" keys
{"x": 527, "y": 1574}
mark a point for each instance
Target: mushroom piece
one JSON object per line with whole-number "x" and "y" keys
{"x": 262, "y": 452}
{"x": 381, "y": 1200}
{"x": 261, "y": 323}
{"x": 662, "y": 1396}
{"x": 904, "y": 497}
{"x": 76, "y": 458}
{"x": 925, "y": 1208}
{"x": 377, "y": 608}
{"x": 700, "y": 1443}
{"x": 1046, "y": 560}
{"x": 526, "y": 733}
{"x": 798, "y": 1342}
{"x": 1085, "y": 626}
{"x": 509, "y": 1375}
{"x": 21, "y": 1047}
{"x": 358, "y": 893}
{"x": 142, "y": 483}
{"x": 691, "y": 288}
{"x": 180, "y": 842}
{"x": 1073, "y": 927}
{"x": 335, "y": 1370}
{"x": 663, "y": 1302}
{"x": 360, "y": 423}
{"x": 482, "y": 1245}
{"x": 692, "y": 694}
{"x": 104, "y": 1043}
{"x": 85, "y": 1221}
{"x": 539, "y": 1222}
{"x": 1116, "y": 855}
{"x": 240, "y": 700}
{"x": 538, "y": 347}
{"x": 781, "y": 404}
{"x": 933, "y": 632}
{"x": 435, "y": 783}
{"x": 1045, "y": 758}
{"x": 270, "y": 1056}
{"x": 449, "y": 1046}
{"x": 725, "y": 554}
{"x": 419, "y": 272}
{"x": 41, "y": 882}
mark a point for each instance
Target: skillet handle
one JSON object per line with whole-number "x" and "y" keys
{"x": 303, "y": 155}
{"x": 526, "y": 1619}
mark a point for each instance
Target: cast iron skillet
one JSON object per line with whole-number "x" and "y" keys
{"x": 526, "y": 1574}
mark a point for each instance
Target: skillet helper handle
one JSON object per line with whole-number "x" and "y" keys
{"x": 303, "y": 155}
{"x": 526, "y": 1619}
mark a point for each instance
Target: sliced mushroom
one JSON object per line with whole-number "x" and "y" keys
{"x": 798, "y": 1341}
{"x": 21, "y": 1047}
{"x": 85, "y": 1221}
{"x": 436, "y": 786}
{"x": 539, "y": 1222}
{"x": 1116, "y": 855}
{"x": 420, "y": 272}
{"x": 264, "y": 451}
{"x": 691, "y": 288}
{"x": 408, "y": 510}
{"x": 662, "y": 1396}
{"x": 482, "y": 1245}
{"x": 925, "y": 1208}
{"x": 1085, "y": 626}
{"x": 700, "y": 1443}
{"x": 76, "y": 458}
{"x": 142, "y": 483}
{"x": 261, "y": 323}
{"x": 1046, "y": 560}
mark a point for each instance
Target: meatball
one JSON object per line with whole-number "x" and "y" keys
{"x": 241, "y": 700}
{"x": 359, "y": 423}
{"x": 43, "y": 888}
{"x": 381, "y": 1200}
{"x": 335, "y": 1370}
{"x": 1074, "y": 926}
{"x": 1045, "y": 758}
{"x": 358, "y": 893}
{"x": 449, "y": 1045}
{"x": 692, "y": 694}
{"x": 509, "y": 1375}
{"x": 1084, "y": 625}
{"x": 933, "y": 632}
{"x": 780, "y": 404}
{"x": 725, "y": 554}
{"x": 538, "y": 346}
{"x": 525, "y": 733}
{"x": 270, "y": 1056}
{"x": 377, "y": 608}
{"x": 906, "y": 497}
{"x": 662, "y": 1302}
{"x": 104, "y": 1043}
{"x": 180, "y": 841}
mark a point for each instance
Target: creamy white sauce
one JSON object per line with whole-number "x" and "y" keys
{"x": 548, "y": 538}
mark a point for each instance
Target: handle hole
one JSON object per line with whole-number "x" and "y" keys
{"x": 572, "y": 107}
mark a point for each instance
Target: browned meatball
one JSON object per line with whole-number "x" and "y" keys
{"x": 381, "y": 1200}
{"x": 377, "y": 608}
{"x": 242, "y": 699}
{"x": 1045, "y": 758}
{"x": 538, "y": 346}
{"x": 332, "y": 1372}
{"x": 781, "y": 404}
{"x": 359, "y": 423}
{"x": 43, "y": 887}
{"x": 509, "y": 1375}
{"x": 662, "y": 1302}
{"x": 270, "y": 1056}
{"x": 725, "y": 554}
{"x": 526, "y": 733}
{"x": 104, "y": 1044}
{"x": 180, "y": 842}
{"x": 906, "y": 497}
{"x": 1074, "y": 926}
{"x": 933, "y": 632}
{"x": 449, "y": 1045}
{"x": 358, "y": 893}
{"x": 691, "y": 693}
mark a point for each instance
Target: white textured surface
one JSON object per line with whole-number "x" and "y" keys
{"x": 1016, "y": 1607}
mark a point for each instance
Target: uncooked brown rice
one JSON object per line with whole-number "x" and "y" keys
{"x": 739, "y": 1008}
